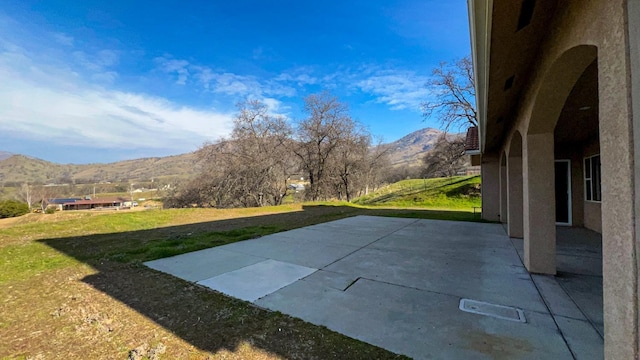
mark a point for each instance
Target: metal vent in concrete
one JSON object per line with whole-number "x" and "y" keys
{"x": 493, "y": 310}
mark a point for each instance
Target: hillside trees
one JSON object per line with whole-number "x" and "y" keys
{"x": 250, "y": 168}
{"x": 329, "y": 142}
{"x": 453, "y": 96}
{"x": 253, "y": 165}
{"x": 446, "y": 158}
{"x": 453, "y": 103}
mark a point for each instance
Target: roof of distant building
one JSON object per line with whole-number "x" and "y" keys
{"x": 472, "y": 142}
{"x": 63, "y": 200}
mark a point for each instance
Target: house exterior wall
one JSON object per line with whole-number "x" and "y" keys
{"x": 585, "y": 213}
{"x": 633, "y": 21}
{"x": 592, "y": 216}
{"x": 602, "y": 24}
{"x": 490, "y": 188}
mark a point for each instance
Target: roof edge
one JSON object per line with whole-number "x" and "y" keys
{"x": 480, "y": 18}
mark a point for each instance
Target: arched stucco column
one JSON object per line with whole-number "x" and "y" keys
{"x": 539, "y": 211}
{"x": 490, "y": 187}
{"x": 619, "y": 109}
{"x": 514, "y": 184}
{"x": 504, "y": 216}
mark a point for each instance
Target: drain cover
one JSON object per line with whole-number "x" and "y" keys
{"x": 493, "y": 310}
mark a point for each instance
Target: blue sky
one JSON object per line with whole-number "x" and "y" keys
{"x": 97, "y": 81}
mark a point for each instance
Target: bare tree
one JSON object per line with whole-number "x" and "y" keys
{"x": 376, "y": 164}
{"x": 327, "y": 127}
{"x": 446, "y": 158}
{"x": 349, "y": 164}
{"x": 251, "y": 167}
{"x": 25, "y": 193}
{"x": 453, "y": 96}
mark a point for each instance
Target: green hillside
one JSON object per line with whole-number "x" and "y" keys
{"x": 458, "y": 192}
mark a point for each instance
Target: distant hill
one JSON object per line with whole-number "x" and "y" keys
{"x": 5, "y": 155}
{"x": 408, "y": 151}
{"x": 18, "y": 169}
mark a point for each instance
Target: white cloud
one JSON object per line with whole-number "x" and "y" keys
{"x": 98, "y": 62}
{"x": 56, "y": 105}
{"x": 300, "y": 75}
{"x": 400, "y": 89}
{"x": 180, "y": 67}
{"x": 222, "y": 82}
{"x": 63, "y": 39}
{"x": 107, "y": 77}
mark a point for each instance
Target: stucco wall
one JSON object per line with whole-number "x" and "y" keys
{"x": 593, "y": 216}
{"x": 490, "y": 188}
{"x": 633, "y": 19}
{"x": 602, "y": 24}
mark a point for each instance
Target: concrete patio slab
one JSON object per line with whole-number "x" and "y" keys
{"x": 252, "y": 282}
{"x": 586, "y": 292}
{"x": 203, "y": 264}
{"x": 319, "y": 235}
{"x": 296, "y": 251}
{"x": 556, "y": 298}
{"x": 323, "y": 278}
{"x": 417, "y": 323}
{"x": 397, "y": 283}
{"x": 464, "y": 278}
{"x": 585, "y": 342}
{"x": 430, "y": 245}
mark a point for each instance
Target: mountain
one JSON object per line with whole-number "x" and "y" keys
{"x": 18, "y": 169}
{"x": 5, "y": 155}
{"x": 408, "y": 151}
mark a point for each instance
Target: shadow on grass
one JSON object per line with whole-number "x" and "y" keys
{"x": 206, "y": 319}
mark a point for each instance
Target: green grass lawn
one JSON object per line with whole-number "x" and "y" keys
{"x": 458, "y": 192}
{"x": 74, "y": 287}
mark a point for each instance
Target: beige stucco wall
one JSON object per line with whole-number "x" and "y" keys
{"x": 490, "y": 187}
{"x": 593, "y": 216}
{"x": 602, "y": 24}
{"x": 633, "y": 21}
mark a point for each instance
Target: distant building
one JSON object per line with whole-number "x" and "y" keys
{"x": 296, "y": 187}
{"x": 85, "y": 204}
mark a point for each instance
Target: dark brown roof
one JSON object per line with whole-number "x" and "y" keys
{"x": 472, "y": 142}
{"x": 105, "y": 201}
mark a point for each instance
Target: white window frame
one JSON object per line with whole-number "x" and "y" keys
{"x": 590, "y": 177}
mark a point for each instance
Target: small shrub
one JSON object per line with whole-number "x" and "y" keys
{"x": 12, "y": 208}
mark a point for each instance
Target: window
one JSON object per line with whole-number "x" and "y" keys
{"x": 592, "y": 176}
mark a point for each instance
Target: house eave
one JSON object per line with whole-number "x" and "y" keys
{"x": 480, "y": 13}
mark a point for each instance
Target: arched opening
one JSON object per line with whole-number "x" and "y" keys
{"x": 540, "y": 183}
{"x": 504, "y": 216}
{"x": 514, "y": 182}
{"x": 562, "y": 218}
